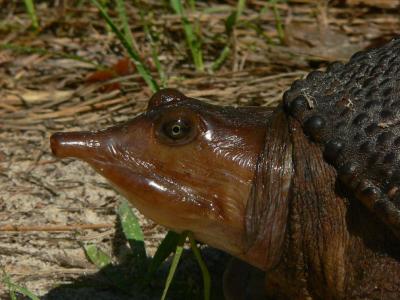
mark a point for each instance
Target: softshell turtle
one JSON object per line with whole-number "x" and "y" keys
{"x": 307, "y": 192}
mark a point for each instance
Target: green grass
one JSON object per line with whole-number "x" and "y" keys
{"x": 126, "y": 30}
{"x": 203, "y": 267}
{"x": 174, "y": 264}
{"x": 173, "y": 243}
{"x": 134, "y": 235}
{"x": 192, "y": 34}
{"x": 124, "y": 38}
{"x": 14, "y": 288}
{"x": 164, "y": 250}
{"x": 230, "y": 25}
{"x": 278, "y": 20}
{"x": 97, "y": 256}
{"x": 30, "y": 8}
{"x": 151, "y": 36}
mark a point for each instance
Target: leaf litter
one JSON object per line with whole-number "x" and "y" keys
{"x": 44, "y": 88}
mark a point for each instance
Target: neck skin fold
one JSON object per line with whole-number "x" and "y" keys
{"x": 333, "y": 248}
{"x": 267, "y": 208}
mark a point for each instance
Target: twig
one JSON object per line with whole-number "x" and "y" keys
{"x": 53, "y": 228}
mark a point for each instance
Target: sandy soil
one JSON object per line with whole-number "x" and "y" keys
{"x": 44, "y": 92}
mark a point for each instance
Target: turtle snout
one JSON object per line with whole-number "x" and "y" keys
{"x": 56, "y": 142}
{"x": 74, "y": 144}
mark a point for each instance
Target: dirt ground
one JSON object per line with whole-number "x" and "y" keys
{"x": 50, "y": 208}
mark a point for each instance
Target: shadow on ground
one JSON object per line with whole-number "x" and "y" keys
{"x": 119, "y": 281}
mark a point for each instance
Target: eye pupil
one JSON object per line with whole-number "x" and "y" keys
{"x": 176, "y": 129}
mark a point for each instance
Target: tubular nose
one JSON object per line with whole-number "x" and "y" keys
{"x": 57, "y": 141}
{"x": 73, "y": 144}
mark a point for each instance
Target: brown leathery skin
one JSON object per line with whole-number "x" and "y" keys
{"x": 374, "y": 255}
{"x": 334, "y": 247}
{"x": 313, "y": 262}
{"x": 266, "y": 221}
{"x": 200, "y": 182}
{"x": 351, "y": 110}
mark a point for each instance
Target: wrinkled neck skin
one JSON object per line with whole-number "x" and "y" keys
{"x": 333, "y": 248}
{"x": 268, "y": 206}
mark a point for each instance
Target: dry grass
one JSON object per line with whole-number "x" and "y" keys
{"x": 43, "y": 90}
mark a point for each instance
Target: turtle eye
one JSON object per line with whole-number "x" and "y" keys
{"x": 177, "y": 129}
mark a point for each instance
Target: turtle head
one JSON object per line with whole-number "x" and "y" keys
{"x": 183, "y": 163}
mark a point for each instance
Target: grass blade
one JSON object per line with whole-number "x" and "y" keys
{"x": 174, "y": 264}
{"x": 154, "y": 48}
{"x": 230, "y": 25}
{"x": 30, "y": 7}
{"x": 97, "y": 256}
{"x": 221, "y": 58}
{"x": 22, "y": 290}
{"x": 278, "y": 21}
{"x": 104, "y": 263}
{"x": 167, "y": 246}
{"x": 12, "y": 294}
{"x": 125, "y": 24}
{"x": 12, "y": 287}
{"x": 133, "y": 233}
{"x": 203, "y": 267}
{"x": 192, "y": 40}
{"x": 240, "y": 7}
{"x": 142, "y": 69}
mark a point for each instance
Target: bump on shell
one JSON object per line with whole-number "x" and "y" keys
{"x": 389, "y": 158}
{"x": 387, "y": 209}
{"x": 366, "y": 147}
{"x": 348, "y": 174}
{"x": 313, "y": 126}
{"x": 384, "y": 139}
{"x": 298, "y": 104}
{"x": 358, "y": 104}
{"x": 315, "y": 75}
{"x": 335, "y": 67}
{"x": 360, "y": 118}
{"x": 333, "y": 149}
{"x": 367, "y": 193}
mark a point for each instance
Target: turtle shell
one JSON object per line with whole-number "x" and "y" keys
{"x": 353, "y": 111}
